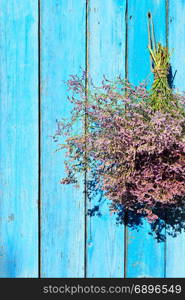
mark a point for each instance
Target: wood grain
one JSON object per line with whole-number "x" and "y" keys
{"x": 19, "y": 138}
{"x": 62, "y": 54}
{"x": 72, "y": 243}
{"x": 106, "y": 45}
{"x": 145, "y": 256}
{"x": 175, "y": 248}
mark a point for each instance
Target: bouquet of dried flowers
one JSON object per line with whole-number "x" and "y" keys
{"x": 133, "y": 145}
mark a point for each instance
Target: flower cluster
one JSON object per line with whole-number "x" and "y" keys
{"x": 131, "y": 152}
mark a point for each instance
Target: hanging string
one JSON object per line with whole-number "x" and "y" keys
{"x": 161, "y": 93}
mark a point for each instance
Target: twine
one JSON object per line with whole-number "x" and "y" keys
{"x": 160, "y": 73}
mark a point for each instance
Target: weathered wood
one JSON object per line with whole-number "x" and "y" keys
{"x": 106, "y": 56}
{"x": 175, "y": 248}
{"x": 62, "y": 54}
{"x": 19, "y": 138}
{"x": 145, "y": 257}
{"x": 64, "y": 250}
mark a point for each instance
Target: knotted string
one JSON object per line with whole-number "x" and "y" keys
{"x": 160, "y": 73}
{"x": 161, "y": 93}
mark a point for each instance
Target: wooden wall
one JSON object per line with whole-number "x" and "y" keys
{"x": 44, "y": 228}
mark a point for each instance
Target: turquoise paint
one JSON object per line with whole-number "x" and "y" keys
{"x": 175, "y": 248}
{"x": 19, "y": 139}
{"x": 106, "y": 44}
{"x": 145, "y": 257}
{"x": 63, "y": 53}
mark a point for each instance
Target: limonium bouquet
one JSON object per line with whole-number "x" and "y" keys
{"x": 132, "y": 147}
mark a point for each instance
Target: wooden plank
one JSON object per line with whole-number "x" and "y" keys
{"x": 145, "y": 257}
{"x": 175, "y": 248}
{"x": 63, "y": 54}
{"x": 19, "y": 138}
{"x": 106, "y": 56}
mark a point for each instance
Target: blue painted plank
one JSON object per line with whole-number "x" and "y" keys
{"x": 106, "y": 56}
{"x": 19, "y": 138}
{"x": 175, "y": 248}
{"x": 63, "y": 54}
{"x": 145, "y": 257}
